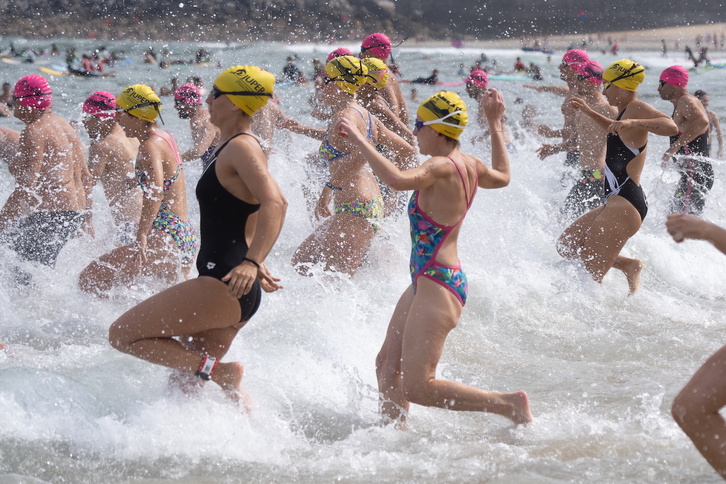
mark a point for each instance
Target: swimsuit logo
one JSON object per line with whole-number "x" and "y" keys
{"x": 210, "y": 265}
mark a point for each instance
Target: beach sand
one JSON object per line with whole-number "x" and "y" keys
{"x": 628, "y": 40}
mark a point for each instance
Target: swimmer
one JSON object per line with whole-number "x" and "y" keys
{"x": 188, "y": 104}
{"x": 689, "y": 148}
{"x": 165, "y": 241}
{"x": 587, "y": 192}
{"x": 111, "y": 160}
{"x": 444, "y": 188}
{"x": 597, "y": 237}
{"x": 696, "y": 407}
{"x": 570, "y": 145}
{"x": 715, "y": 124}
{"x": 379, "y": 45}
{"x": 50, "y": 199}
{"x": 369, "y": 97}
{"x": 476, "y": 87}
{"x": 190, "y": 326}
{"x": 341, "y": 242}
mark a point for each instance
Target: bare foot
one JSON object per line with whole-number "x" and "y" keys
{"x": 187, "y": 383}
{"x": 229, "y": 377}
{"x": 520, "y": 403}
{"x": 632, "y": 269}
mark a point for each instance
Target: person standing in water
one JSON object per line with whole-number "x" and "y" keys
{"x": 689, "y": 147}
{"x": 379, "y": 45}
{"x": 165, "y": 242}
{"x": 52, "y": 183}
{"x": 696, "y": 407}
{"x": 190, "y": 326}
{"x": 597, "y": 237}
{"x": 715, "y": 124}
{"x": 444, "y": 188}
{"x": 587, "y": 193}
{"x": 188, "y": 104}
{"x": 111, "y": 159}
{"x": 341, "y": 242}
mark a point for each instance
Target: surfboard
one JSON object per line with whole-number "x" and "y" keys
{"x": 52, "y": 72}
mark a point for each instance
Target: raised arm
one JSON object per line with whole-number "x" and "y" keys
{"x": 498, "y": 175}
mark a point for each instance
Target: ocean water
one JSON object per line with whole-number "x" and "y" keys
{"x": 601, "y": 368}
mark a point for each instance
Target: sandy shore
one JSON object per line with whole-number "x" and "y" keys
{"x": 628, "y": 40}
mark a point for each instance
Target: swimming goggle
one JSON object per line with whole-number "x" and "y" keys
{"x": 16, "y": 98}
{"x": 154, "y": 104}
{"x": 418, "y": 124}
{"x": 217, "y": 92}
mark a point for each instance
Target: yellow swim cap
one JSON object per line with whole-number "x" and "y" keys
{"x": 625, "y": 74}
{"x": 445, "y": 112}
{"x": 140, "y": 101}
{"x": 348, "y": 72}
{"x": 377, "y": 72}
{"x": 248, "y": 87}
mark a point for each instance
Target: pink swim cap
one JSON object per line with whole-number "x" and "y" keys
{"x": 101, "y": 104}
{"x": 189, "y": 93}
{"x": 590, "y": 70}
{"x": 379, "y": 44}
{"x": 479, "y": 78}
{"x": 676, "y": 75}
{"x": 575, "y": 57}
{"x": 339, "y": 52}
{"x": 33, "y": 91}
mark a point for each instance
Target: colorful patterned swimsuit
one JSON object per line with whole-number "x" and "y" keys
{"x": 427, "y": 237}
{"x": 371, "y": 210}
{"x": 167, "y": 221}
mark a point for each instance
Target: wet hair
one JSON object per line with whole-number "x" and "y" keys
{"x": 700, "y": 93}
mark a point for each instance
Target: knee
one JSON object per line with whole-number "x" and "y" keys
{"x": 90, "y": 283}
{"x": 117, "y": 337}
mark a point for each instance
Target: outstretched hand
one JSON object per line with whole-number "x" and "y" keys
{"x": 268, "y": 282}
{"x": 682, "y": 226}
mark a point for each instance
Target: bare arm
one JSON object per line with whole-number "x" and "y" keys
{"x": 563, "y": 91}
{"x": 202, "y": 137}
{"x": 693, "y": 122}
{"x": 297, "y": 128}
{"x": 498, "y": 175}
{"x": 250, "y": 166}
{"x": 719, "y": 133}
{"x": 30, "y": 156}
{"x": 682, "y": 226}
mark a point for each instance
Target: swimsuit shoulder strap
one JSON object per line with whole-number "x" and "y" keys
{"x": 172, "y": 146}
{"x": 469, "y": 200}
{"x": 224, "y": 145}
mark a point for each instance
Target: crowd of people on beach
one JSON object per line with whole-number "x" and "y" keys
{"x": 368, "y": 159}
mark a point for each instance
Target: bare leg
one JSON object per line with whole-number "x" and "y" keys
{"x": 192, "y": 307}
{"x": 632, "y": 269}
{"x": 121, "y": 266}
{"x": 341, "y": 245}
{"x": 573, "y": 238}
{"x": 434, "y": 313}
{"x": 394, "y": 405}
{"x": 696, "y": 410}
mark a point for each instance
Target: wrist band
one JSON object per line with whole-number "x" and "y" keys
{"x": 331, "y": 186}
{"x": 251, "y": 261}
{"x": 207, "y": 367}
